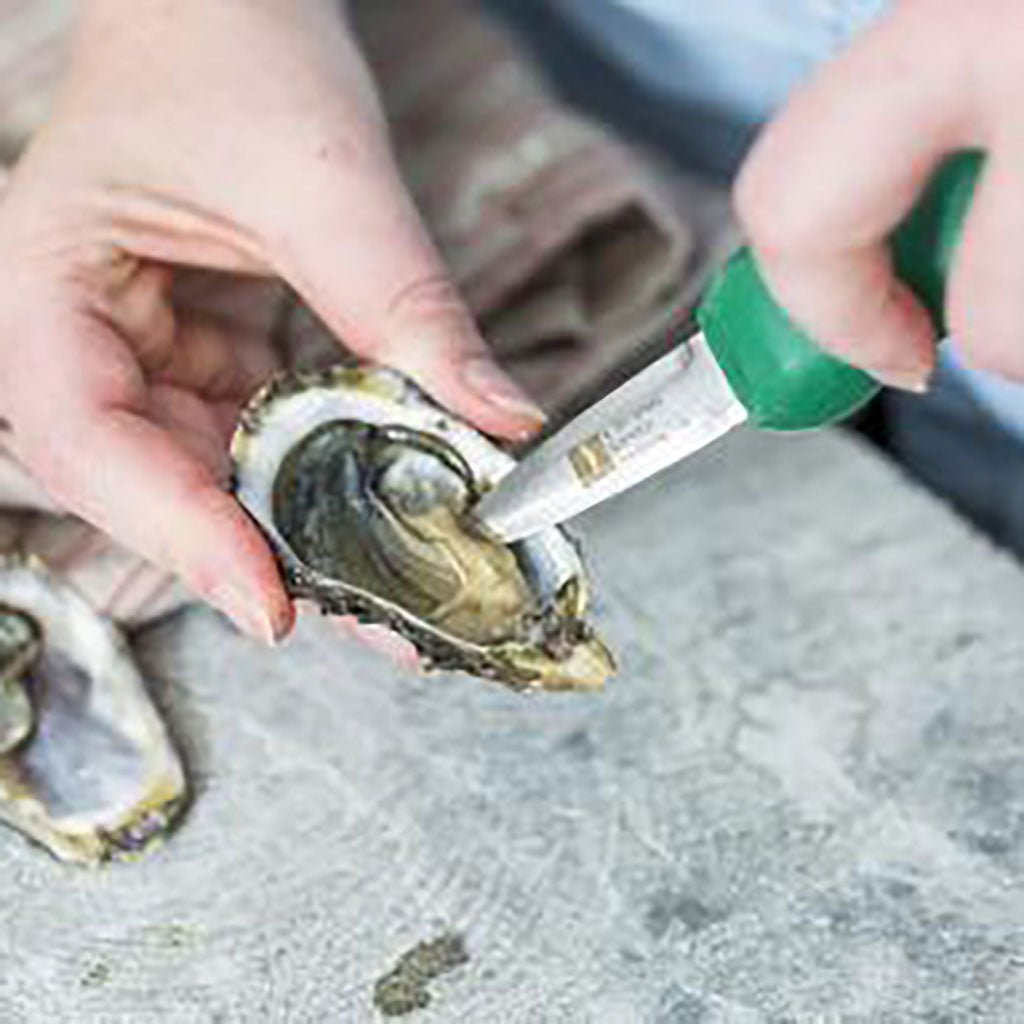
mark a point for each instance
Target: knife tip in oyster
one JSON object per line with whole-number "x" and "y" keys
{"x": 364, "y": 488}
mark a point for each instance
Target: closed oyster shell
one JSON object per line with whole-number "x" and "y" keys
{"x": 86, "y": 765}
{"x": 364, "y": 487}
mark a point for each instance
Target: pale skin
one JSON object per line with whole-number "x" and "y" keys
{"x": 245, "y": 136}
{"x": 241, "y": 135}
{"x": 846, "y": 159}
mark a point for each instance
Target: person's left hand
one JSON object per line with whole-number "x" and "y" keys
{"x": 243, "y": 136}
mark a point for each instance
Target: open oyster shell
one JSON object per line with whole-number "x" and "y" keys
{"x": 86, "y": 766}
{"x": 363, "y": 485}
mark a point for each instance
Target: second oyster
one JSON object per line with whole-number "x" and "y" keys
{"x": 86, "y": 766}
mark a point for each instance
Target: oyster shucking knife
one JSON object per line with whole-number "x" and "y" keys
{"x": 749, "y": 362}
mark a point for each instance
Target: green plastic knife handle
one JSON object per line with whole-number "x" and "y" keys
{"x": 782, "y": 377}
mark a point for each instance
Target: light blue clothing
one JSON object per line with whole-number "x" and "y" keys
{"x": 1003, "y": 398}
{"x": 741, "y": 58}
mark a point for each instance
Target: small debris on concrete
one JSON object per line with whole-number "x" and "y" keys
{"x": 404, "y": 988}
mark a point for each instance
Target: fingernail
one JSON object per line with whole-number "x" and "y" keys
{"x": 491, "y": 383}
{"x": 246, "y": 613}
{"x": 905, "y": 380}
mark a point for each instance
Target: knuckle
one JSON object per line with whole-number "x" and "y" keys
{"x": 429, "y": 313}
{"x": 430, "y": 297}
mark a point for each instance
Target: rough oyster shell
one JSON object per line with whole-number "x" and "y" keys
{"x": 361, "y": 484}
{"x": 86, "y": 766}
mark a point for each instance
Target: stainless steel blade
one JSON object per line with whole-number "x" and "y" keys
{"x": 669, "y": 410}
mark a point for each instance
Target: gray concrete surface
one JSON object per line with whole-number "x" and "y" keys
{"x": 802, "y": 800}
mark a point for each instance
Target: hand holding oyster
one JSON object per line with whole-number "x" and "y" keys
{"x": 364, "y": 488}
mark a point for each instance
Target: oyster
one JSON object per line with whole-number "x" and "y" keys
{"x": 86, "y": 766}
{"x": 363, "y": 486}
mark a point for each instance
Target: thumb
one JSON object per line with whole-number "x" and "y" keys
{"x": 358, "y": 253}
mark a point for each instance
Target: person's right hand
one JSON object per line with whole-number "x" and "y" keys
{"x": 846, "y": 159}
{"x": 241, "y": 135}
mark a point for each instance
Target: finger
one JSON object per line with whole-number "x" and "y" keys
{"x": 173, "y": 231}
{"x": 832, "y": 177}
{"x": 984, "y": 302}
{"x": 195, "y": 425}
{"x": 227, "y": 413}
{"x": 356, "y": 250}
{"x": 146, "y": 490}
{"x": 19, "y": 489}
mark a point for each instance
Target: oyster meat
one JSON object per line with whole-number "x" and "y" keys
{"x": 364, "y": 488}
{"x": 86, "y": 766}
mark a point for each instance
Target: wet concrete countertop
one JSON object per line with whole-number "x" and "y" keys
{"x": 802, "y": 800}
